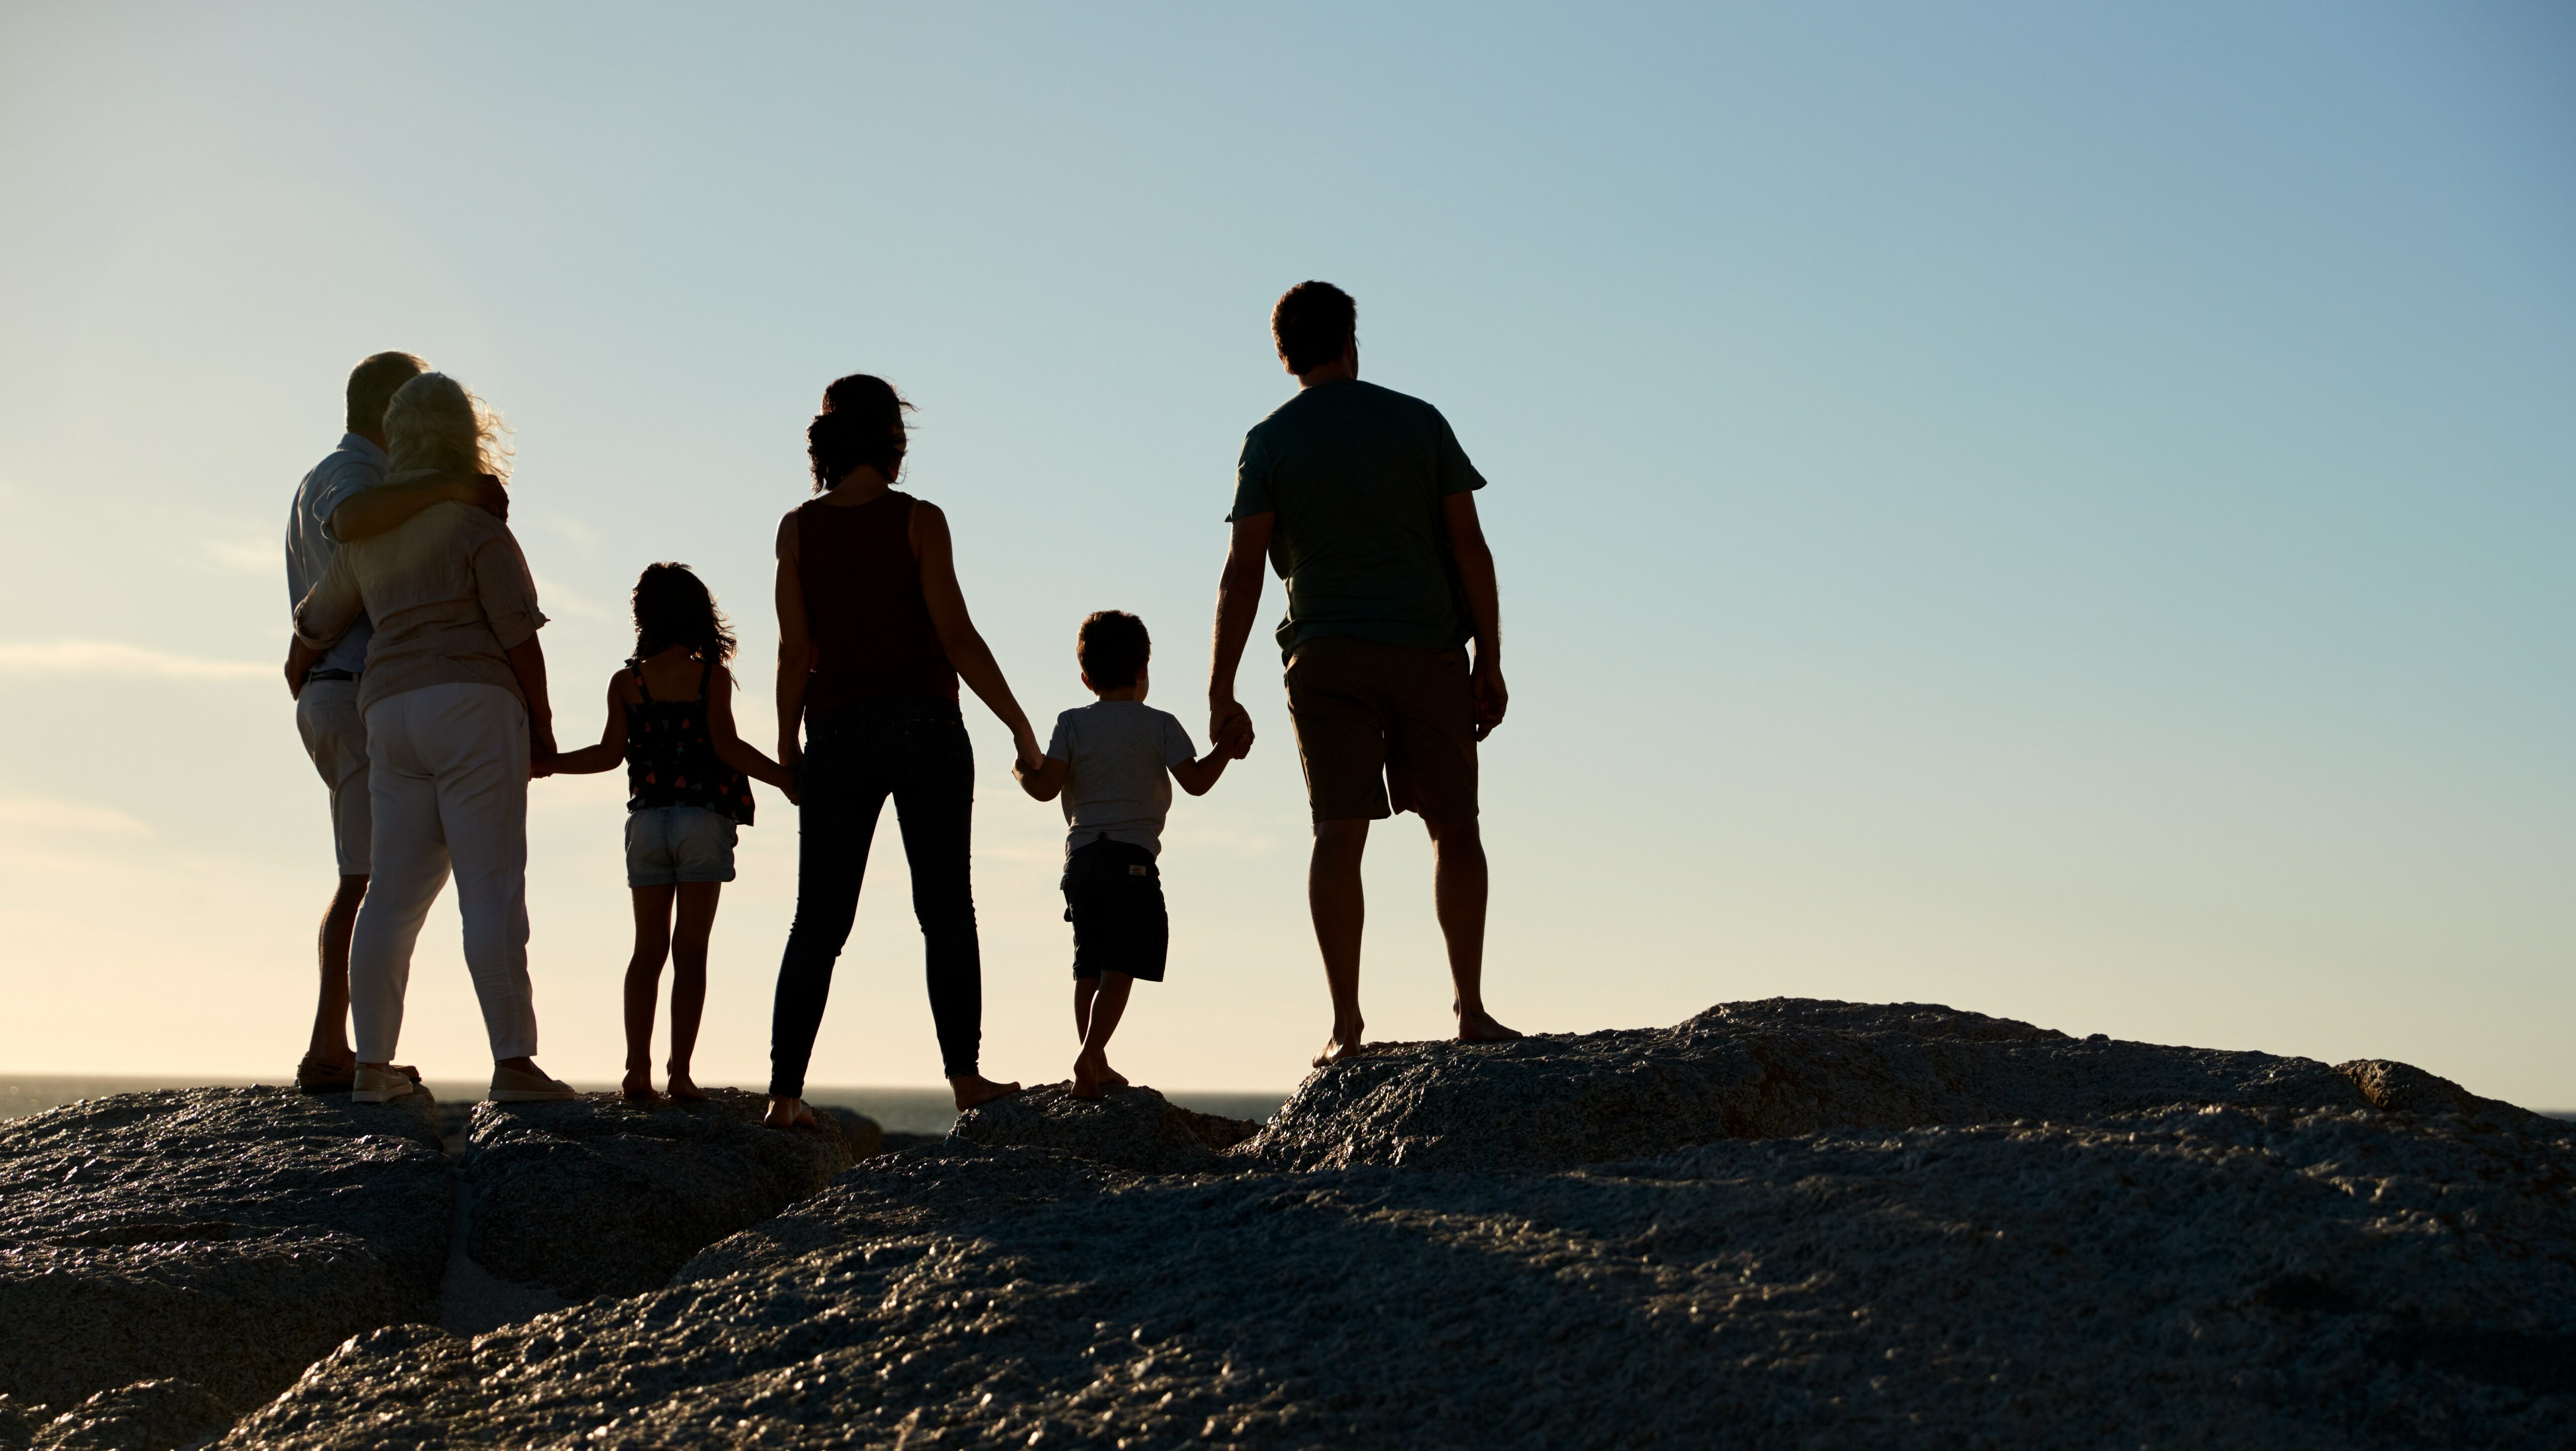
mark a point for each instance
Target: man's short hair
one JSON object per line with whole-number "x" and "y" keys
{"x": 1113, "y": 648}
{"x": 1312, "y": 324}
{"x": 372, "y": 385}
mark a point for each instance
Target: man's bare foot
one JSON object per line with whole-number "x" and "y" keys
{"x": 975, "y": 1090}
{"x": 788, "y": 1113}
{"x": 684, "y": 1088}
{"x": 637, "y": 1087}
{"x": 1480, "y": 1027}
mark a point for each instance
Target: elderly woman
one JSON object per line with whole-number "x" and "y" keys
{"x": 454, "y": 697}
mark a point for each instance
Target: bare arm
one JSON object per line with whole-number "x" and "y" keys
{"x": 1484, "y": 604}
{"x": 373, "y": 511}
{"x": 1047, "y": 781}
{"x": 528, "y": 662}
{"x": 795, "y": 648}
{"x": 1238, "y": 600}
{"x": 1197, "y": 776}
{"x": 966, "y": 649}
{"x": 731, "y": 748}
{"x": 611, "y": 750}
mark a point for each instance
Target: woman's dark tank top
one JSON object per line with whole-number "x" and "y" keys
{"x": 864, "y": 612}
{"x": 671, "y": 758}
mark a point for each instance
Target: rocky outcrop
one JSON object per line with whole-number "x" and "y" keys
{"x": 1132, "y": 1128}
{"x": 226, "y": 1238}
{"x": 598, "y": 1196}
{"x": 949, "y": 1186}
{"x": 151, "y": 1415}
{"x": 2234, "y": 1276}
{"x": 2404, "y": 1088}
{"x": 1772, "y": 1069}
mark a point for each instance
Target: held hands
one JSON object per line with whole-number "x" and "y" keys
{"x": 1230, "y": 726}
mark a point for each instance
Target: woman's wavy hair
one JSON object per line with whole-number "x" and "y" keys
{"x": 433, "y": 423}
{"x": 861, "y": 424}
{"x": 674, "y": 607}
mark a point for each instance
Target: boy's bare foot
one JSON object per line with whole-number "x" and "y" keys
{"x": 1480, "y": 1027}
{"x": 684, "y": 1088}
{"x": 637, "y": 1086}
{"x": 975, "y": 1090}
{"x": 1092, "y": 1076}
{"x": 788, "y": 1113}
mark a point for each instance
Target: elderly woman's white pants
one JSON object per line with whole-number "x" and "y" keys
{"x": 448, "y": 776}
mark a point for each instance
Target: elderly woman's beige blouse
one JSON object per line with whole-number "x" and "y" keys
{"x": 449, "y": 593}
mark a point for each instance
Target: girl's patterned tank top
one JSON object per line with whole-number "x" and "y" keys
{"x": 671, "y": 759}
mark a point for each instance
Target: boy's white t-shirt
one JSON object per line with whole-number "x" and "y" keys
{"x": 1121, "y": 752}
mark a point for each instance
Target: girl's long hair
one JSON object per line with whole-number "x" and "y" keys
{"x": 433, "y": 423}
{"x": 673, "y": 607}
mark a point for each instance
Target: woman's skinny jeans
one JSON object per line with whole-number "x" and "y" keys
{"x": 915, "y": 750}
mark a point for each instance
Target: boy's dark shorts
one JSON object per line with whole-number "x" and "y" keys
{"x": 1113, "y": 896}
{"x": 1384, "y": 728}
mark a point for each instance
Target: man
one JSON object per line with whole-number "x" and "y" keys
{"x": 1366, "y": 506}
{"x": 344, "y": 498}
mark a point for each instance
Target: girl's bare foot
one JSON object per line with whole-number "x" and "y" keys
{"x": 975, "y": 1090}
{"x": 684, "y": 1088}
{"x": 637, "y": 1087}
{"x": 1480, "y": 1027}
{"x": 788, "y": 1113}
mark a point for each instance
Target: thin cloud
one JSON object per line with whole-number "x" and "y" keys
{"x": 69, "y": 816}
{"x": 111, "y": 657}
{"x": 250, "y": 557}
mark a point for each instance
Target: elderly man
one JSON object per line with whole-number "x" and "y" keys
{"x": 344, "y": 497}
{"x": 1364, "y": 502}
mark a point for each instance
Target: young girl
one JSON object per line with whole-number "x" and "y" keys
{"x": 670, "y": 719}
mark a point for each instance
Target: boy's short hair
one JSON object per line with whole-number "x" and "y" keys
{"x": 1312, "y": 324}
{"x": 373, "y": 384}
{"x": 1113, "y": 648}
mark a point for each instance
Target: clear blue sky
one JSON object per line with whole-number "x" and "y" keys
{"x": 2058, "y": 511}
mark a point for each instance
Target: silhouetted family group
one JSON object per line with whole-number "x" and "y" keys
{"x": 421, "y": 697}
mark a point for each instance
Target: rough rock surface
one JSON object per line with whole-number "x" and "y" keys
{"x": 1132, "y": 1128}
{"x": 949, "y": 1185}
{"x": 2230, "y": 1276}
{"x": 598, "y": 1196}
{"x": 223, "y": 1237}
{"x": 151, "y": 1415}
{"x": 1770, "y": 1069}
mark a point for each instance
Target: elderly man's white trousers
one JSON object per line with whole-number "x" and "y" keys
{"x": 448, "y": 775}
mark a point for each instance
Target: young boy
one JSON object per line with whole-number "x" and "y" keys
{"x": 1109, "y": 760}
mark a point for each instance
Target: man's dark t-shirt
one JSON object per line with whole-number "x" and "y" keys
{"x": 1356, "y": 474}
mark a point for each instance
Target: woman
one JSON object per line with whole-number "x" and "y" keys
{"x": 454, "y": 698}
{"x": 873, "y": 637}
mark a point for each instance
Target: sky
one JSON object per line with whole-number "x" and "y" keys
{"x": 2057, "y": 511}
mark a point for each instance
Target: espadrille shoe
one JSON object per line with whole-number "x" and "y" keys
{"x": 509, "y": 1085}
{"x": 379, "y": 1085}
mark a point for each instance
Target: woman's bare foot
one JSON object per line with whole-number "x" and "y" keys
{"x": 975, "y": 1090}
{"x": 1345, "y": 1043}
{"x": 788, "y": 1113}
{"x": 637, "y": 1086}
{"x": 685, "y": 1088}
{"x": 1480, "y": 1027}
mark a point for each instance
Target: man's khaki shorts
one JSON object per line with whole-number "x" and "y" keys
{"x": 1384, "y": 728}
